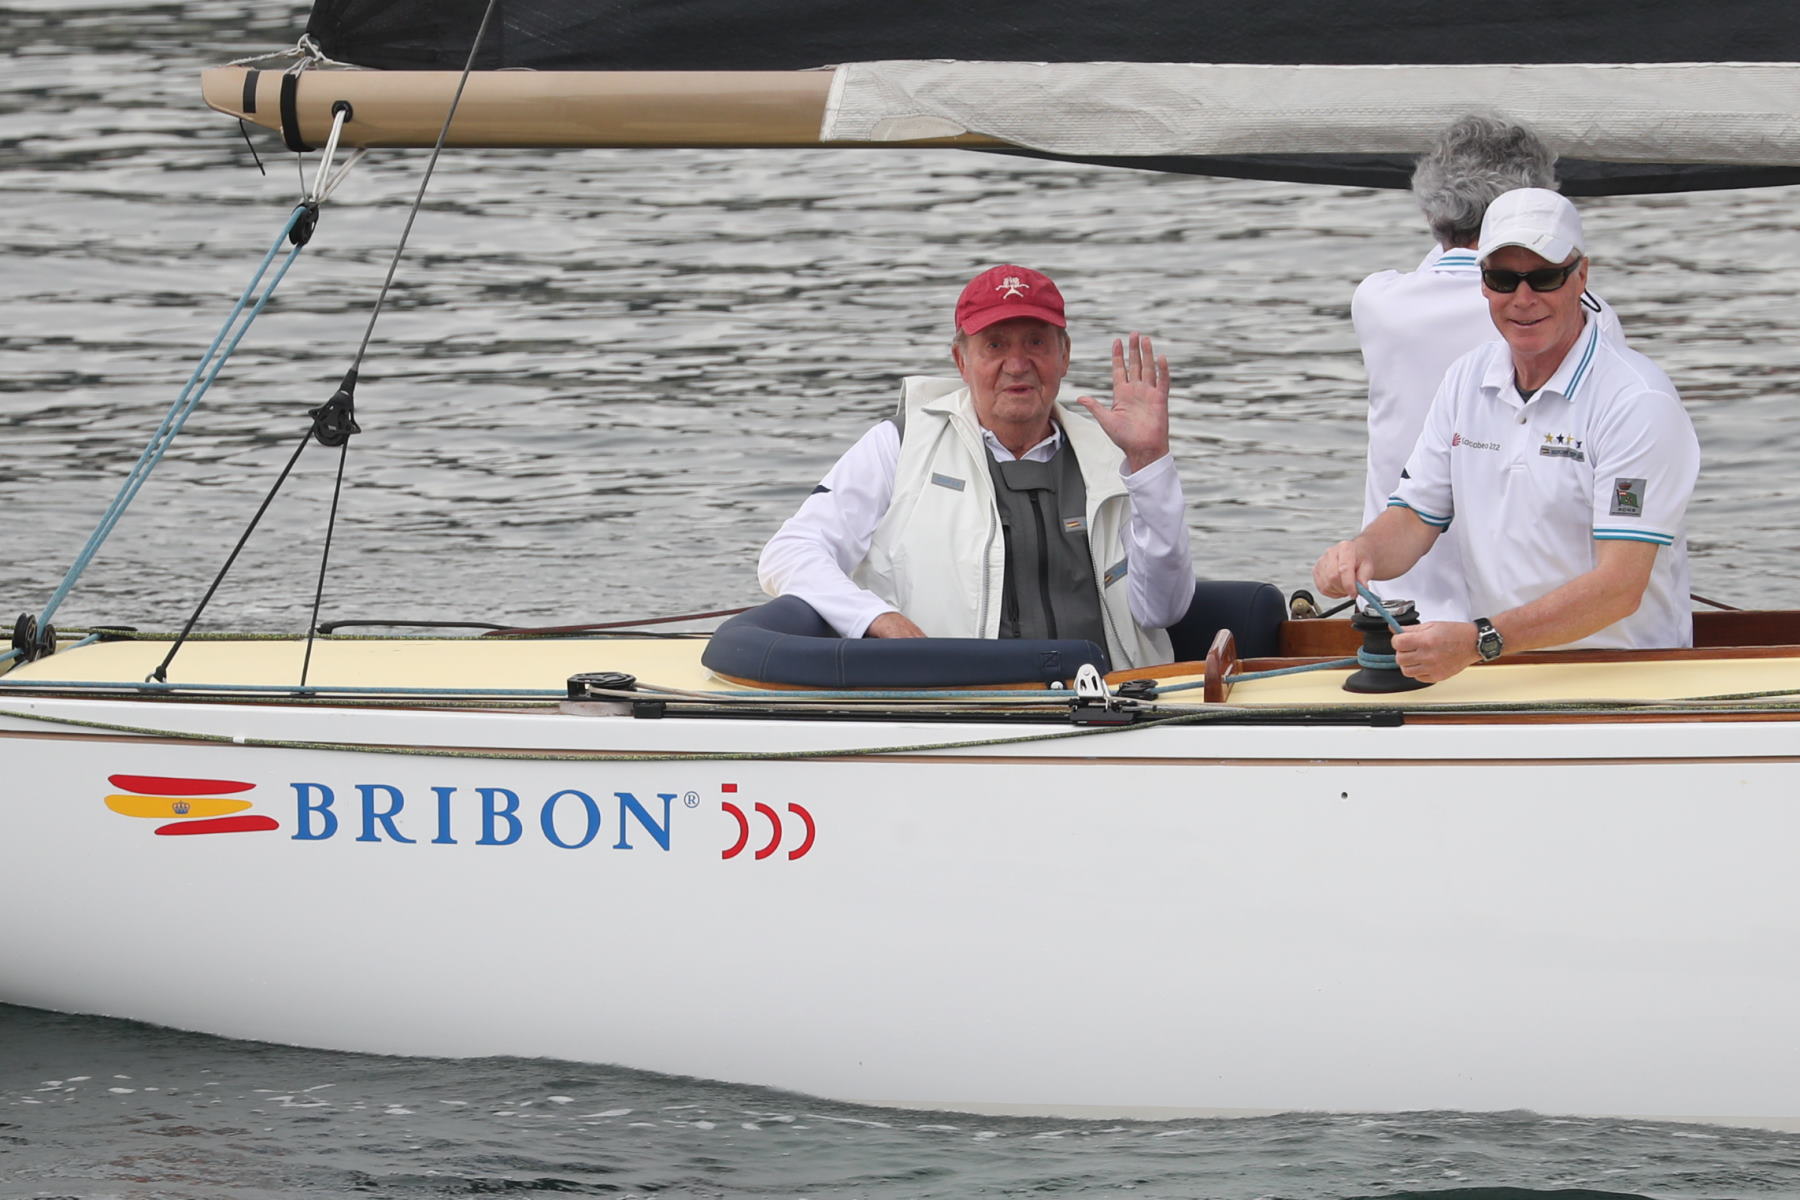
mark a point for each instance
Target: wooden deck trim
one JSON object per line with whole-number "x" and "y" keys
{"x": 1301, "y": 640}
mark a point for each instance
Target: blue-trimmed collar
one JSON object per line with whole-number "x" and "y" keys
{"x": 1577, "y": 365}
{"x": 1458, "y": 260}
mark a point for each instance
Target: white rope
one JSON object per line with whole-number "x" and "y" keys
{"x": 266, "y": 56}
{"x": 319, "y": 190}
{"x": 332, "y": 183}
{"x": 305, "y": 49}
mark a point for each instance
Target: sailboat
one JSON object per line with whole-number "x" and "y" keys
{"x": 1014, "y": 881}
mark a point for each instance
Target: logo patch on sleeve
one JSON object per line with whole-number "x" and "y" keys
{"x": 1628, "y": 498}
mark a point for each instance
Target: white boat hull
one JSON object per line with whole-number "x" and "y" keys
{"x": 1177, "y": 919}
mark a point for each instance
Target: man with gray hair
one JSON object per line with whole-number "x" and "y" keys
{"x": 1413, "y": 324}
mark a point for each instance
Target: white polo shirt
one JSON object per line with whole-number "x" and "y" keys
{"x": 1603, "y": 451}
{"x": 1411, "y": 326}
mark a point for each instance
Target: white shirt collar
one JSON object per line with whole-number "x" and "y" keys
{"x": 1044, "y": 451}
{"x": 1564, "y": 381}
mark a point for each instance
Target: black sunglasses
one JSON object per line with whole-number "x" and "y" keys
{"x": 1544, "y": 279}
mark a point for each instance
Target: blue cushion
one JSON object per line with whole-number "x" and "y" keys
{"x": 1252, "y": 611}
{"x": 785, "y": 641}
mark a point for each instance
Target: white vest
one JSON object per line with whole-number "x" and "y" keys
{"x": 938, "y": 554}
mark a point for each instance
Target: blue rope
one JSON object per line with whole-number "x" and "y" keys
{"x": 89, "y": 640}
{"x": 1375, "y": 602}
{"x": 1334, "y": 664}
{"x": 1378, "y": 662}
{"x": 180, "y": 410}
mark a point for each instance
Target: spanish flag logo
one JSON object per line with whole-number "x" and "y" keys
{"x": 190, "y": 806}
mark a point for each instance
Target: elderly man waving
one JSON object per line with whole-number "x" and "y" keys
{"x": 1559, "y": 459}
{"x": 987, "y": 509}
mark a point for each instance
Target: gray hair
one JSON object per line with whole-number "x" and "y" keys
{"x": 1469, "y": 164}
{"x": 961, "y": 339}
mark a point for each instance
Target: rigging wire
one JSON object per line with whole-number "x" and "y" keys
{"x": 333, "y": 422}
{"x": 198, "y": 383}
{"x": 430, "y": 166}
{"x": 298, "y": 232}
{"x": 312, "y": 624}
{"x": 255, "y": 157}
{"x": 552, "y": 630}
{"x": 347, "y": 390}
{"x": 161, "y": 673}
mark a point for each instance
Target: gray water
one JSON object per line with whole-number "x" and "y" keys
{"x": 99, "y": 1109}
{"x": 601, "y": 380}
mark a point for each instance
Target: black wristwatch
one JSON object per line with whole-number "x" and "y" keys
{"x": 1488, "y": 642}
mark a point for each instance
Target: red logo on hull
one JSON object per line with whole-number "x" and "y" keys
{"x": 776, "y": 830}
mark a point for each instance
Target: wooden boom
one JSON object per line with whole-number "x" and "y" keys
{"x": 541, "y": 108}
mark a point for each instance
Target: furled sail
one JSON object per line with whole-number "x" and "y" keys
{"x": 1636, "y": 95}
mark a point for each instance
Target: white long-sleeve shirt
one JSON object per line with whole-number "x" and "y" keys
{"x": 815, "y": 550}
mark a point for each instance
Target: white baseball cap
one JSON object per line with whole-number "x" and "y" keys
{"x": 1542, "y": 221}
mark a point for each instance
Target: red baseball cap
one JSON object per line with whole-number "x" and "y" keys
{"x": 1004, "y": 292}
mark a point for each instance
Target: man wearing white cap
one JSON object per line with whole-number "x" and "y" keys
{"x": 1411, "y": 325}
{"x": 1559, "y": 459}
{"x": 987, "y": 509}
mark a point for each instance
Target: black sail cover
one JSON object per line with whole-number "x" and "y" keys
{"x": 739, "y": 35}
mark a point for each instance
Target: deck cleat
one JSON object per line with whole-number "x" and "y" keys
{"x": 596, "y": 694}
{"x": 1097, "y": 704}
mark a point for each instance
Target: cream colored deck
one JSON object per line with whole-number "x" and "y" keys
{"x": 449, "y": 664}
{"x": 492, "y": 663}
{"x": 1503, "y": 683}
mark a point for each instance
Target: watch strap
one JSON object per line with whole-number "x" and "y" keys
{"x": 1488, "y": 642}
